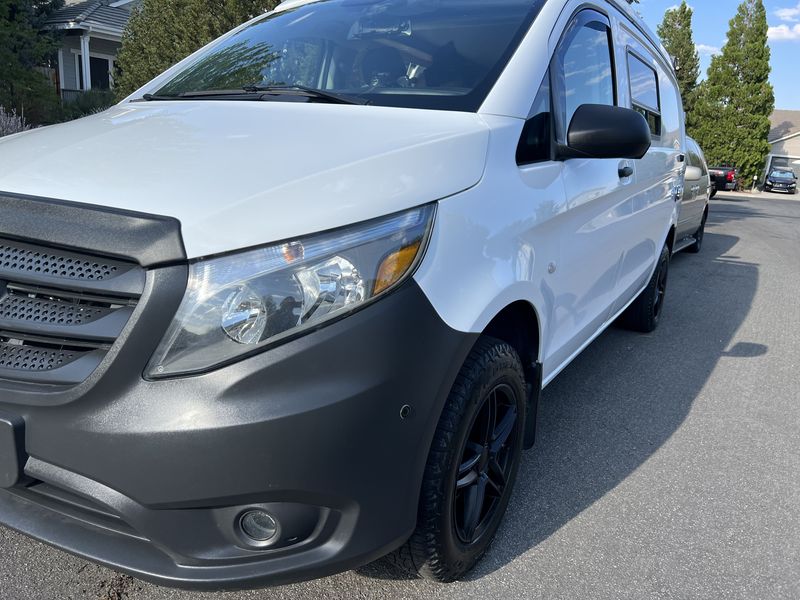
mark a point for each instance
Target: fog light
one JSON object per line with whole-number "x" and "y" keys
{"x": 258, "y": 525}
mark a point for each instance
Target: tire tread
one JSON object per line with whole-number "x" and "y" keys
{"x": 424, "y": 554}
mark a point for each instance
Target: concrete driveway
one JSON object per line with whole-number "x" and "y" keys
{"x": 668, "y": 465}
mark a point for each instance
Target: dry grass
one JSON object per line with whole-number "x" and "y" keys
{"x": 11, "y": 123}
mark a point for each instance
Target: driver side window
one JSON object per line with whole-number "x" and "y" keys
{"x": 582, "y": 69}
{"x": 581, "y": 72}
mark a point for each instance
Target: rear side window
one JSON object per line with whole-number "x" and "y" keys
{"x": 694, "y": 156}
{"x": 583, "y": 69}
{"x": 644, "y": 92}
{"x": 670, "y": 113}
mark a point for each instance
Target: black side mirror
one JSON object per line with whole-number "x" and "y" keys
{"x": 600, "y": 131}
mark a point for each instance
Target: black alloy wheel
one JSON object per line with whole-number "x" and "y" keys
{"x": 472, "y": 465}
{"x": 661, "y": 291}
{"x": 486, "y": 464}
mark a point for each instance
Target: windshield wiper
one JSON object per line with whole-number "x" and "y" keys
{"x": 205, "y": 94}
{"x": 307, "y": 91}
{"x": 257, "y": 92}
{"x": 154, "y": 97}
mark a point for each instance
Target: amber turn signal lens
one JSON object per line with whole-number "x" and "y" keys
{"x": 394, "y": 267}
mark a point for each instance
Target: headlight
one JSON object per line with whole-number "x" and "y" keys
{"x": 240, "y": 304}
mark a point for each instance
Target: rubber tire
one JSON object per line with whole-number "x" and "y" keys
{"x": 641, "y": 316}
{"x": 698, "y": 236}
{"x": 434, "y": 551}
{"x": 713, "y": 192}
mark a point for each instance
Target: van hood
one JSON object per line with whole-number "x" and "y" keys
{"x": 240, "y": 174}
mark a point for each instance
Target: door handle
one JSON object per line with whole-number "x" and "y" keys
{"x": 625, "y": 172}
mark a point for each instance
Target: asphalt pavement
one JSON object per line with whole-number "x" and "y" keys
{"x": 667, "y": 465}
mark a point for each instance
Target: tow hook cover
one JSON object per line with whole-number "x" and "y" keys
{"x": 11, "y": 449}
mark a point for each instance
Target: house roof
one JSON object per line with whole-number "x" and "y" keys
{"x": 106, "y": 16}
{"x": 785, "y": 123}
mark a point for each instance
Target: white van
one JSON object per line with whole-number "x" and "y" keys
{"x": 289, "y": 307}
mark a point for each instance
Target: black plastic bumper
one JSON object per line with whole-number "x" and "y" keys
{"x": 773, "y": 188}
{"x": 151, "y": 477}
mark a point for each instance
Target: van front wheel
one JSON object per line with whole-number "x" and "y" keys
{"x": 472, "y": 465}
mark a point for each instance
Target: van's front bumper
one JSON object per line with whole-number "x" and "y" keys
{"x": 329, "y": 433}
{"x": 151, "y": 477}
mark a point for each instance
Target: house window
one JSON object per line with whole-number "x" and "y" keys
{"x": 100, "y": 69}
{"x": 644, "y": 92}
{"x": 101, "y": 74}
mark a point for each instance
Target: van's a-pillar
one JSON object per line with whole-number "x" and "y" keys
{"x": 86, "y": 62}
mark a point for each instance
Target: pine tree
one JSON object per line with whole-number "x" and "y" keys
{"x": 25, "y": 45}
{"x": 162, "y": 32}
{"x": 735, "y": 102}
{"x": 675, "y": 32}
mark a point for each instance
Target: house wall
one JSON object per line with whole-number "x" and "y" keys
{"x": 69, "y": 44}
{"x": 105, "y": 46}
{"x": 790, "y": 147}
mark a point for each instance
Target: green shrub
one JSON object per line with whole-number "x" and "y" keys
{"x": 86, "y": 104}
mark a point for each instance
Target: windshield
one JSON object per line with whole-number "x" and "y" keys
{"x": 440, "y": 54}
{"x": 782, "y": 175}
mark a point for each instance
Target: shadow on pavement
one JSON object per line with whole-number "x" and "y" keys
{"x": 622, "y": 399}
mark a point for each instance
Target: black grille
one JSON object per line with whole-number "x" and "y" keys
{"x": 16, "y": 257}
{"x": 19, "y": 357}
{"x": 60, "y": 311}
{"x": 42, "y": 309}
